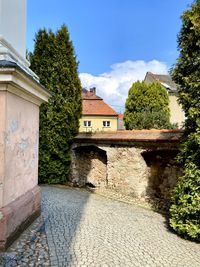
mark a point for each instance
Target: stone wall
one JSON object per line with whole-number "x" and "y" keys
{"x": 127, "y": 171}
{"x": 163, "y": 172}
{"x": 134, "y": 171}
{"x": 89, "y": 166}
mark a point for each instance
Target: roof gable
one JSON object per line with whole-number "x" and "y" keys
{"x": 94, "y": 105}
{"x": 164, "y": 79}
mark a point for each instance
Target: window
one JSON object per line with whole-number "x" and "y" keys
{"x": 87, "y": 123}
{"x": 106, "y": 124}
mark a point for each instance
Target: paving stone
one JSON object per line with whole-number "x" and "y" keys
{"x": 78, "y": 228}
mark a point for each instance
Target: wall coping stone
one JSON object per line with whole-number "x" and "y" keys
{"x": 134, "y": 137}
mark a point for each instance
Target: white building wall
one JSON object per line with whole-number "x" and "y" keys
{"x": 13, "y": 24}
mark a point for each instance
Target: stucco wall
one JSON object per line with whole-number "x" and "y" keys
{"x": 176, "y": 113}
{"x": 2, "y": 146}
{"x": 21, "y": 147}
{"x": 97, "y": 123}
{"x": 20, "y": 198}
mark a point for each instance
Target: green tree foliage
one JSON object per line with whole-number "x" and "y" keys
{"x": 53, "y": 60}
{"x": 147, "y": 106}
{"x": 185, "y": 208}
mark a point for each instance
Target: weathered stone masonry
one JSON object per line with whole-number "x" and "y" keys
{"x": 136, "y": 163}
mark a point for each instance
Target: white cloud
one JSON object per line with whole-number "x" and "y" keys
{"x": 113, "y": 86}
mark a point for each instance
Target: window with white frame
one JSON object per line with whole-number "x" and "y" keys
{"x": 87, "y": 123}
{"x": 106, "y": 124}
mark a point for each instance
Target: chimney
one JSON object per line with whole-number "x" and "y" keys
{"x": 93, "y": 90}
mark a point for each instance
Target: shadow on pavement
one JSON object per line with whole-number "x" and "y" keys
{"x": 62, "y": 210}
{"x": 49, "y": 240}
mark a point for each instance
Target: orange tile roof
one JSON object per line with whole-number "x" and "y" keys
{"x": 97, "y": 107}
{"x": 94, "y": 105}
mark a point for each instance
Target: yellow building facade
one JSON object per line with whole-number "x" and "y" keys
{"x": 97, "y": 116}
{"x": 98, "y": 123}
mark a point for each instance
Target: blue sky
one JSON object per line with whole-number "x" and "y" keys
{"x": 116, "y": 41}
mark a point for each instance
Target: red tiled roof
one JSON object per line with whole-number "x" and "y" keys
{"x": 97, "y": 107}
{"x": 94, "y": 105}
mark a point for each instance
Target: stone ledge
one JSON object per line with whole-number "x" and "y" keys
{"x": 14, "y": 79}
{"x": 134, "y": 135}
{"x": 138, "y": 138}
{"x": 18, "y": 215}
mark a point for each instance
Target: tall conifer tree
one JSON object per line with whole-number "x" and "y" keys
{"x": 53, "y": 60}
{"x": 185, "y": 208}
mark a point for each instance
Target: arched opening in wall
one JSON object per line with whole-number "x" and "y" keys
{"x": 91, "y": 164}
{"x": 164, "y": 172}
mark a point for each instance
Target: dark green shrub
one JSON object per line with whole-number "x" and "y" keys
{"x": 185, "y": 210}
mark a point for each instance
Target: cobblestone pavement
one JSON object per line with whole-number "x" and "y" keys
{"x": 30, "y": 249}
{"x": 85, "y": 229}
